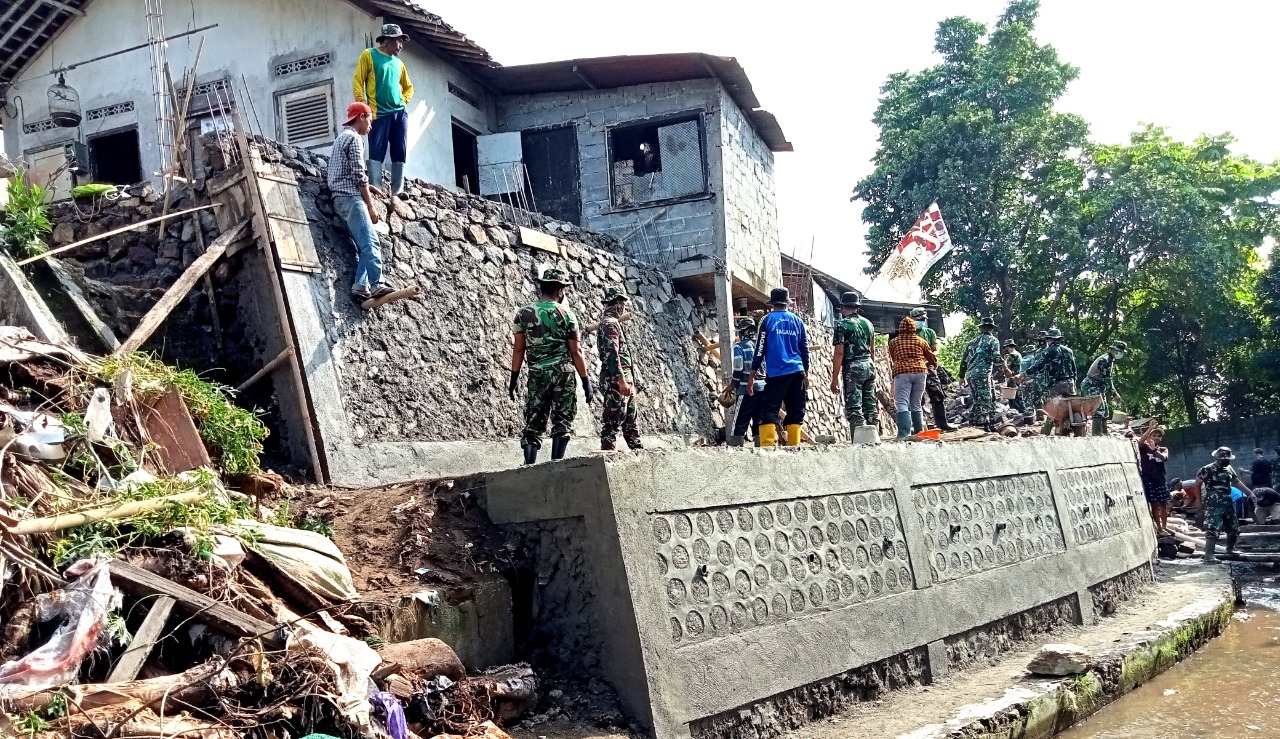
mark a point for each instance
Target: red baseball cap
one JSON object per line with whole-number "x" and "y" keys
{"x": 355, "y": 110}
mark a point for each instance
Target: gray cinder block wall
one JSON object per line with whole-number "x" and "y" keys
{"x": 711, "y": 587}
{"x": 1190, "y": 448}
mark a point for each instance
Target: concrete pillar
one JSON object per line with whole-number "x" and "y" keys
{"x": 938, "y": 667}
{"x": 1088, "y": 616}
{"x": 724, "y": 319}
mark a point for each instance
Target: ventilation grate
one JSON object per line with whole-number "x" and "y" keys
{"x": 97, "y": 114}
{"x": 464, "y": 96}
{"x": 307, "y": 117}
{"x": 38, "y": 126}
{"x": 302, "y": 65}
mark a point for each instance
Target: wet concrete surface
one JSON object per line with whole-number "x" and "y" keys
{"x": 1229, "y": 688}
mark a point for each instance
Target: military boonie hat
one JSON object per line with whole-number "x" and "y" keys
{"x": 919, "y": 314}
{"x": 1223, "y": 452}
{"x": 614, "y": 295}
{"x": 745, "y": 324}
{"x": 1011, "y": 343}
{"x": 553, "y": 276}
{"x": 986, "y": 321}
{"x": 1053, "y": 333}
{"x": 1120, "y": 346}
{"x": 391, "y": 30}
{"x": 850, "y": 299}
{"x": 1042, "y": 334}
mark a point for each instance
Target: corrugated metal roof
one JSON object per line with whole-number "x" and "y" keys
{"x": 430, "y": 30}
{"x": 624, "y": 71}
{"x": 27, "y": 26}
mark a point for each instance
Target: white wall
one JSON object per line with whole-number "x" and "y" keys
{"x": 251, "y": 38}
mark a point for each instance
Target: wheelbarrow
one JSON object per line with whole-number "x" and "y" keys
{"x": 1070, "y": 414}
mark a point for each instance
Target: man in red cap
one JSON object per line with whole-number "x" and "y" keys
{"x": 353, "y": 200}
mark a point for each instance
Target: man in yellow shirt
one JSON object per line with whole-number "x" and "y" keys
{"x": 382, "y": 82}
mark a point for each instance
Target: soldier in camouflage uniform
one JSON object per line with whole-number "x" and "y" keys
{"x": 547, "y": 332}
{"x": 980, "y": 360}
{"x": 618, "y": 381}
{"x": 854, "y": 341}
{"x": 1216, "y": 480}
{"x": 1099, "y": 382}
{"x": 1056, "y": 366}
{"x": 1033, "y": 382}
{"x": 932, "y": 383}
{"x": 1013, "y": 367}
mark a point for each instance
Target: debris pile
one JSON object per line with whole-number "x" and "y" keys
{"x": 149, "y": 588}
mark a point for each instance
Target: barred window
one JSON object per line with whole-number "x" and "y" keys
{"x": 654, "y": 162}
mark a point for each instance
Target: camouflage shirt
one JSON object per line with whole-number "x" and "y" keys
{"x": 929, "y": 335}
{"x": 1100, "y": 371}
{"x": 615, "y": 352}
{"x": 547, "y": 327}
{"x": 857, "y": 336}
{"x": 1013, "y": 360}
{"x": 1217, "y": 480}
{"x": 1056, "y": 363}
{"x": 980, "y": 356}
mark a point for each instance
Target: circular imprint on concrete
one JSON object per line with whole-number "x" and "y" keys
{"x": 1075, "y": 518}
{"x": 719, "y": 584}
{"x": 1039, "y": 544}
{"x": 965, "y": 536}
{"x": 779, "y": 604}
{"x": 701, "y": 591}
{"x": 742, "y": 583}
{"x": 954, "y": 562}
{"x": 933, "y": 571}
{"x": 966, "y": 560}
{"x": 684, "y": 526}
{"x": 742, "y": 548}
{"x": 889, "y": 552}
{"x": 846, "y": 502}
{"x": 816, "y": 537}
{"x": 1040, "y": 485}
{"x": 833, "y": 591}
{"x": 724, "y": 520}
{"x": 861, "y": 527}
{"x": 940, "y": 561}
{"x": 888, "y": 526}
{"x": 944, "y": 517}
{"x": 1024, "y": 548}
{"x": 764, "y": 545}
{"x": 933, "y": 497}
{"x": 745, "y": 521}
{"x": 676, "y": 591}
{"x": 862, "y": 557}
{"x": 818, "y": 510}
{"x": 815, "y": 595}
{"x": 781, "y": 543}
{"x": 847, "y": 532}
{"x": 677, "y": 631}
{"x": 761, "y": 575}
{"x": 765, "y": 517}
{"x": 876, "y": 531}
{"x": 833, "y": 561}
{"x": 801, "y": 512}
{"x": 663, "y": 565}
{"x": 874, "y": 501}
{"x": 814, "y": 562}
{"x": 860, "y": 502}
{"x": 1002, "y": 486}
{"x": 877, "y": 583}
{"x": 846, "y": 587}
{"x": 978, "y": 533}
{"x": 797, "y": 601}
{"x": 799, "y": 541}
{"x": 929, "y": 543}
{"x": 979, "y": 559}
{"x": 778, "y": 569}
{"x": 705, "y": 525}
{"x": 954, "y": 513}
{"x": 798, "y": 570}
{"x": 846, "y": 558}
{"x": 900, "y": 547}
{"x": 782, "y": 513}
{"x": 738, "y": 616}
{"x": 760, "y": 611}
{"x": 1030, "y": 504}
{"x": 864, "y": 586}
{"x": 833, "y": 533}
{"x": 694, "y": 623}
{"x": 944, "y": 540}
{"x": 833, "y": 507}
{"x": 904, "y": 578}
{"x": 876, "y": 555}
{"x": 719, "y": 618}
{"x": 930, "y": 521}
{"x": 887, "y": 500}
{"x": 680, "y": 557}
{"x": 724, "y": 553}
{"x": 918, "y": 497}
{"x": 966, "y": 512}
{"x": 944, "y": 494}
{"x": 662, "y": 529}
{"x": 701, "y": 551}
{"x": 891, "y": 580}
{"x": 990, "y": 510}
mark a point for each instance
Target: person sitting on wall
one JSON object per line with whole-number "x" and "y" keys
{"x": 382, "y": 81}
{"x": 353, "y": 201}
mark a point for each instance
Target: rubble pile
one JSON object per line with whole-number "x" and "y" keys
{"x": 150, "y": 585}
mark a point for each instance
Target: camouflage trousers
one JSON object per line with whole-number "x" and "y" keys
{"x": 1220, "y": 514}
{"x": 552, "y": 393}
{"x": 860, "y": 393}
{"x": 619, "y": 413}
{"x": 984, "y": 401}
{"x": 1093, "y": 388}
{"x": 1032, "y": 392}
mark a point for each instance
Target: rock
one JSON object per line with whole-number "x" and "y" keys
{"x": 425, "y": 659}
{"x": 188, "y": 231}
{"x": 498, "y": 237}
{"x": 451, "y": 230}
{"x": 415, "y": 234}
{"x": 142, "y": 255}
{"x": 476, "y": 234}
{"x": 403, "y": 210}
{"x": 209, "y": 222}
{"x": 64, "y": 233}
{"x": 1060, "y": 660}
{"x": 118, "y": 245}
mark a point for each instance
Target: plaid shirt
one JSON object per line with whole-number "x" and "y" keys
{"x": 346, "y": 164}
{"x": 908, "y": 352}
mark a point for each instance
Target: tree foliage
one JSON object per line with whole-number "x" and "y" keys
{"x": 1154, "y": 242}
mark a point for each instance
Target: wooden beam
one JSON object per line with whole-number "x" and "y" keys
{"x": 266, "y": 369}
{"x": 81, "y": 303}
{"x": 64, "y": 6}
{"x": 120, "y": 230}
{"x": 137, "y": 581}
{"x": 177, "y": 292}
{"x": 152, "y": 628}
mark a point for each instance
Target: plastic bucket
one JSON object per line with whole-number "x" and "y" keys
{"x": 1008, "y": 393}
{"x": 933, "y": 434}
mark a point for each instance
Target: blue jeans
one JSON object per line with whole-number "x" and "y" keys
{"x": 908, "y": 391}
{"x": 389, "y": 130}
{"x": 354, "y": 213}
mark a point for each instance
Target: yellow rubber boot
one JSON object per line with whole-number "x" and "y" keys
{"x": 793, "y": 434}
{"x": 768, "y": 435}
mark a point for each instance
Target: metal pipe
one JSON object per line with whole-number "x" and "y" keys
{"x": 69, "y": 67}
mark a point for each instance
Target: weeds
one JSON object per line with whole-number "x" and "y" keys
{"x": 317, "y": 523}
{"x": 26, "y": 221}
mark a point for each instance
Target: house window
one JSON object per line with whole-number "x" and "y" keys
{"x": 656, "y": 162}
{"x": 306, "y": 116}
{"x": 115, "y": 158}
{"x": 466, "y": 161}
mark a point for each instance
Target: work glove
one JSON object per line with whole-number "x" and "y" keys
{"x": 587, "y": 390}
{"x": 511, "y": 386}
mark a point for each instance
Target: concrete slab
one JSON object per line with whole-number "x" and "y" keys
{"x": 708, "y": 581}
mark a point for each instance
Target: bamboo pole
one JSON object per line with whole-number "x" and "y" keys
{"x": 50, "y": 524}
{"x": 120, "y": 230}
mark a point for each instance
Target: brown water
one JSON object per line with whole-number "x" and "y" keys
{"x": 1230, "y": 688}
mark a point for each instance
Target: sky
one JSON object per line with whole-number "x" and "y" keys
{"x": 819, "y": 65}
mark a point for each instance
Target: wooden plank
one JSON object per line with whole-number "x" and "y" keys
{"x": 287, "y": 219}
{"x": 81, "y": 303}
{"x": 137, "y": 581}
{"x": 177, "y": 292}
{"x": 266, "y": 369}
{"x": 111, "y": 233}
{"x": 152, "y": 628}
{"x": 540, "y": 240}
{"x": 169, "y": 424}
{"x": 214, "y": 190}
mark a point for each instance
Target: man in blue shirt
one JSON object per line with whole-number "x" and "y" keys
{"x": 744, "y": 355}
{"x": 782, "y": 348}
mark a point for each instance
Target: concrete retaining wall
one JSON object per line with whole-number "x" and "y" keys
{"x": 1192, "y": 447}
{"x": 711, "y": 581}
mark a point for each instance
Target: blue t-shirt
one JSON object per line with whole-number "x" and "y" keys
{"x": 783, "y": 347}
{"x": 744, "y": 354}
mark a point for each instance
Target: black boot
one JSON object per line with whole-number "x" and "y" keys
{"x": 558, "y": 445}
{"x": 940, "y": 416}
{"x": 1231, "y": 541}
{"x": 608, "y": 445}
{"x": 1210, "y": 546}
{"x": 633, "y": 442}
{"x": 530, "y": 453}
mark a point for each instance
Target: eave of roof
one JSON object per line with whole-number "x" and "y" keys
{"x": 26, "y": 28}
{"x": 625, "y": 71}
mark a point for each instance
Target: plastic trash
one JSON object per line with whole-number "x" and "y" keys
{"x": 97, "y": 419}
{"x": 391, "y": 713}
{"x": 352, "y": 662}
{"x": 310, "y": 559}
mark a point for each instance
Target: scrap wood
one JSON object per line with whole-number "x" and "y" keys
{"x": 81, "y": 304}
{"x": 195, "y": 687}
{"x": 169, "y": 424}
{"x": 148, "y": 634}
{"x": 177, "y": 292}
{"x": 50, "y": 524}
{"x": 17, "y": 344}
{"x": 113, "y": 232}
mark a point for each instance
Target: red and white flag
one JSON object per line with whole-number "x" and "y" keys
{"x": 899, "y": 277}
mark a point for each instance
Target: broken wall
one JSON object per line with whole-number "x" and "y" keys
{"x": 713, "y": 584}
